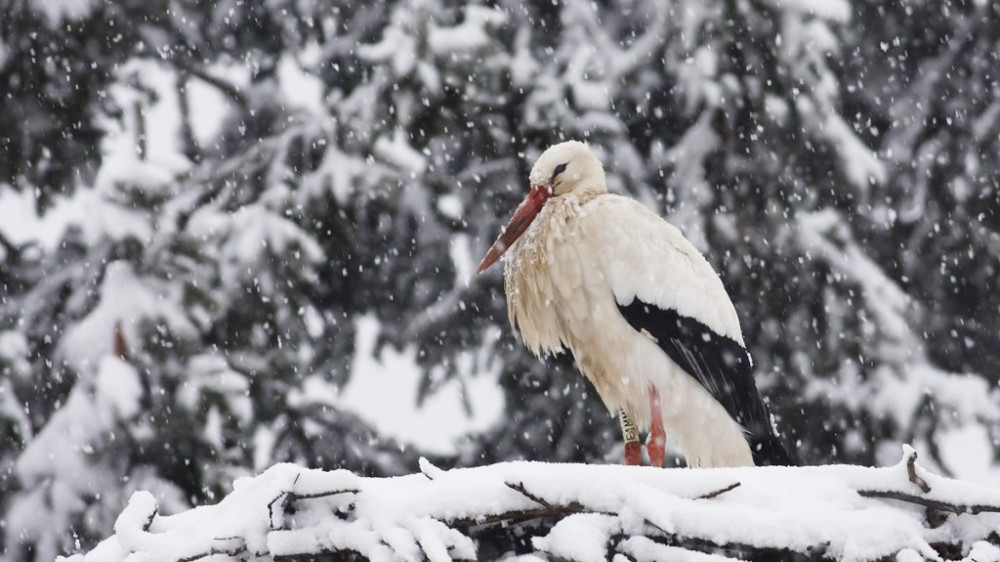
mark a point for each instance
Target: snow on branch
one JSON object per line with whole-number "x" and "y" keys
{"x": 539, "y": 511}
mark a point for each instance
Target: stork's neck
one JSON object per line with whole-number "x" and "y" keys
{"x": 584, "y": 192}
{"x": 591, "y": 182}
{"x": 556, "y": 215}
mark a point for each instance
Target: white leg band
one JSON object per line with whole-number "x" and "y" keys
{"x": 629, "y": 432}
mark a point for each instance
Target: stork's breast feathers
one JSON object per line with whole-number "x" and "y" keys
{"x": 532, "y": 278}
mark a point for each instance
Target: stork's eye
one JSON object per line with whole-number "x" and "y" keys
{"x": 559, "y": 169}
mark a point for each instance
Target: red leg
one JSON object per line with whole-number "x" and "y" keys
{"x": 656, "y": 443}
{"x": 633, "y": 450}
{"x": 633, "y": 453}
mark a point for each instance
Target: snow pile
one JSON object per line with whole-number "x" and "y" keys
{"x": 533, "y": 511}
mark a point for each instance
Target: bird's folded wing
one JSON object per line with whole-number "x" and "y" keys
{"x": 642, "y": 256}
{"x": 718, "y": 362}
{"x": 663, "y": 285}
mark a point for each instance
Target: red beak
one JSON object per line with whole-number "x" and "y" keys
{"x": 525, "y": 213}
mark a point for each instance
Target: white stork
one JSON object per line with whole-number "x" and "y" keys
{"x": 648, "y": 321}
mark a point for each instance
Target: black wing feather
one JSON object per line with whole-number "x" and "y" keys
{"x": 720, "y": 364}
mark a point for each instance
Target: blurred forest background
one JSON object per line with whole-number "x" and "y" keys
{"x": 258, "y": 177}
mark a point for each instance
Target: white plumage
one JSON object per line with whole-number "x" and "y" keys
{"x": 576, "y": 257}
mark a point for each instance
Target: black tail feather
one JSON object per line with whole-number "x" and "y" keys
{"x": 768, "y": 450}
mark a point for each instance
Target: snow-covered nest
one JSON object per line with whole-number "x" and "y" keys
{"x": 537, "y": 511}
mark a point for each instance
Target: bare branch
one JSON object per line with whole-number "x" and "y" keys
{"x": 911, "y": 471}
{"x": 270, "y": 510}
{"x": 287, "y": 498}
{"x": 519, "y": 487}
{"x": 719, "y": 492}
{"x": 232, "y": 551}
{"x": 149, "y": 520}
{"x": 939, "y": 505}
{"x": 292, "y": 497}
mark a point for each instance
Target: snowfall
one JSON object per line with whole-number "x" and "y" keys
{"x": 573, "y": 512}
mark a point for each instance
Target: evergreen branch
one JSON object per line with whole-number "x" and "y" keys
{"x": 228, "y": 89}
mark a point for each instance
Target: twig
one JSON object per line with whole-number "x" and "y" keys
{"x": 519, "y": 487}
{"x": 270, "y": 509}
{"x": 719, "y": 492}
{"x": 429, "y": 471}
{"x": 547, "y": 510}
{"x": 911, "y": 471}
{"x": 149, "y": 520}
{"x": 281, "y": 496}
{"x": 510, "y": 516}
{"x": 665, "y": 532}
{"x": 234, "y": 552}
{"x": 939, "y": 505}
{"x": 292, "y": 496}
{"x": 287, "y": 498}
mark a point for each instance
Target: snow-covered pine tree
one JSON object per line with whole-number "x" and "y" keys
{"x": 235, "y": 344}
{"x": 56, "y": 64}
{"x": 923, "y": 89}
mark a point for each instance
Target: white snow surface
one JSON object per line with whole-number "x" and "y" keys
{"x": 289, "y": 510}
{"x": 383, "y": 392}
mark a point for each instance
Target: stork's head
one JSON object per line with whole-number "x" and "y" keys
{"x": 568, "y": 167}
